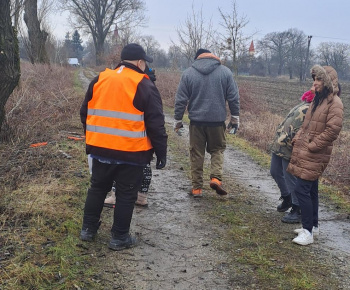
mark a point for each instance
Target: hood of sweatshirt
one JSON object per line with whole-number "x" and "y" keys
{"x": 206, "y": 63}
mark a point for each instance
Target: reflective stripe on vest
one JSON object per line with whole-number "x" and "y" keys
{"x": 112, "y": 120}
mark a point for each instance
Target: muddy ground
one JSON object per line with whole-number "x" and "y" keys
{"x": 177, "y": 246}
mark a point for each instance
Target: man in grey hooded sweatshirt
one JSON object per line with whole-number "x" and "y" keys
{"x": 204, "y": 89}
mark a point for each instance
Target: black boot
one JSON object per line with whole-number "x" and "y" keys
{"x": 286, "y": 203}
{"x": 88, "y": 233}
{"x": 121, "y": 242}
{"x": 294, "y": 216}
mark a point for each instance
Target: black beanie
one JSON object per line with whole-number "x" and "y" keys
{"x": 200, "y": 51}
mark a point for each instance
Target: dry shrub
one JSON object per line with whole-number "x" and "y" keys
{"x": 338, "y": 169}
{"x": 259, "y": 129}
{"x": 42, "y": 104}
{"x": 167, "y": 83}
{"x": 41, "y": 109}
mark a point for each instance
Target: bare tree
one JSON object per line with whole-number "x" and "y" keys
{"x": 37, "y": 36}
{"x": 194, "y": 34}
{"x": 234, "y": 40}
{"x": 336, "y": 55}
{"x": 97, "y": 17}
{"x": 296, "y": 59}
{"x": 16, "y": 10}
{"x": 9, "y": 57}
{"x": 150, "y": 44}
{"x": 276, "y": 44}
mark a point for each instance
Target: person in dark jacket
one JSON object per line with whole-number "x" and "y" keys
{"x": 312, "y": 147}
{"x": 281, "y": 151}
{"x": 122, "y": 116}
{"x": 204, "y": 89}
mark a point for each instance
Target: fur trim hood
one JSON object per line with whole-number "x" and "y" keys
{"x": 328, "y": 75}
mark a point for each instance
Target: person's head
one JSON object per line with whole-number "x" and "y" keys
{"x": 325, "y": 82}
{"x": 200, "y": 51}
{"x": 135, "y": 54}
{"x": 325, "y": 79}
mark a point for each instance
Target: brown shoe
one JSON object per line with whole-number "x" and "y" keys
{"x": 141, "y": 199}
{"x": 217, "y": 185}
{"x": 196, "y": 192}
{"x": 110, "y": 201}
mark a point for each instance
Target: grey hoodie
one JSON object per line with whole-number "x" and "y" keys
{"x": 204, "y": 88}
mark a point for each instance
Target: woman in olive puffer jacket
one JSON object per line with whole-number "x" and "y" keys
{"x": 312, "y": 147}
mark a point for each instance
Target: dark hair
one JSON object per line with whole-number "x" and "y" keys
{"x": 339, "y": 90}
{"x": 319, "y": 97}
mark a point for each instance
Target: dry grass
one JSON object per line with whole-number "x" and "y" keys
{"x": 41, "y": 189}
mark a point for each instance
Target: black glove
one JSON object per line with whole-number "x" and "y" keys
{"x": 161, "y": 162}
{"x": 151, "y": 73}
{"x": 232, "y": 128}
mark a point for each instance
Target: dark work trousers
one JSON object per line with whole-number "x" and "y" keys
{"x": 128, "y": 181}
{"x": 284, "y": 180}
{"x": 307, "y": 194}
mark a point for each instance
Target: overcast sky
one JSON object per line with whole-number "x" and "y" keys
{"x": 325, "y": 20}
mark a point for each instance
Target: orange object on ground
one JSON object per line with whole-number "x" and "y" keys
{"x": 38, "y": 144}
{"x": 75, "y": 138}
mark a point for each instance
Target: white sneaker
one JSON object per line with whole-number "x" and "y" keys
{"x": 315, "y": 231}
{"x": 304, "y": 238}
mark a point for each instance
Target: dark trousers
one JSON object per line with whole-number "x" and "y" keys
{"x": 284, "y": 180}
{"x": 307, "y": 194}
{"x": 128, "y": 182}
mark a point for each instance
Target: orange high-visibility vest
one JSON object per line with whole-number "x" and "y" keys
{"x": 112, "y": 120}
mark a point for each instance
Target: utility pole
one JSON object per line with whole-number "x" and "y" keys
{"x": 307, "y": 55}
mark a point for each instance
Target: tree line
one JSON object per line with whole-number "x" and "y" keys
{"x": 111, "y": 24}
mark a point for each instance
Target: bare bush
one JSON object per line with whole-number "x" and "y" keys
{"x": 167, "y": 83}
{"x": 39, "y": 110}
{"x": 44, "y": 99}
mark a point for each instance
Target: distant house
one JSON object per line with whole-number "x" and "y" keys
{"x": 73, "y": 61}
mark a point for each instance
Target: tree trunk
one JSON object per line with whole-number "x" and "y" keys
{"x": 9, "y": 57}
{"x": 37, "y": 37}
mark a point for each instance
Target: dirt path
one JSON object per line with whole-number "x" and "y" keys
{"x": 177, "y": 244}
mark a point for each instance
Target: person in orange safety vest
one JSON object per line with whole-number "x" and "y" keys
{"x": 122, "y": 116}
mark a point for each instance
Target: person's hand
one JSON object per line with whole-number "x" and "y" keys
{"x": 232, "y": 128}
{"x": 178, "y": 127}
{"x": 233, "y": 125}
{"x": 161, "y": 162}
{"x": 151, "y": 73}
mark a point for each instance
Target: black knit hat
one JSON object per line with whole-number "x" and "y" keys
{"x": 200, "y": 51}
{"x": 134, "y": 51}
